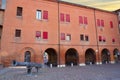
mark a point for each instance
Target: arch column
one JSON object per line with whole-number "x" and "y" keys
{"x": 82, "y": 60}
{"x": 112, "y": 60}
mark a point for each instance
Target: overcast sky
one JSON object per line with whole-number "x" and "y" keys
{"x": 109, "y": 5}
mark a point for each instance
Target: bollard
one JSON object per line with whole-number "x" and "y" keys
{"x": 71, "y": 64}
{"x": 106, "y": 62}
{"x": 90, "y": 63}
{"x": 51, "y": 65}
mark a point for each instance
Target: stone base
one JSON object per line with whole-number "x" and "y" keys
{"x": 82, "y": 64}
{"x": 98, "y": 63}
{"x": 61, "y": 65}
{"x": 112, "y": 62}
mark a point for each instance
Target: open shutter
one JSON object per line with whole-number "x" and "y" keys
{"x": 45, "y": 35}
{"x": 80, "y": 19}
{"x": 98, "y": 22}
{"x": 62, "y": 17}
{"x": 45, "y": 14}
{"x": 85, "y": 20}
{"x": 67, "y": 18}
{"x": 62, "y": 36}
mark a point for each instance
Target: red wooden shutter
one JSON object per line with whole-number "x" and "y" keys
{"x": 45, "y": 14}
{"x": 113, "y": 40}
{"x": 62, "y": 17}
{"x": 102, "y": 23}
{"x": 80, "y": 19}
{"x": 111, "y": 24}
{"x": 62, "y": 36}
{"x": 45, "y": 35}
{"x": 85, "y": 20}
{"x": 38, "y": 34}
{"x": 67, "y": 18}
{"x": 104, "y": 39}
{"x": 98, "y": 22}
{"x": 100, "y": 38}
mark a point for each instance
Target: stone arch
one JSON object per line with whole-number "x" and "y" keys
{"x": 90, "y": 56}
{"x": 105, "y": 56}
{"x": 116, "y": 54}
{"x": 27, "y": 52}
{"x": 71, "y": 57}
{"x": 50, "y": 57}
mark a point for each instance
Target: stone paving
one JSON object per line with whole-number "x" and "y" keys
{"x": 91, "y": 72}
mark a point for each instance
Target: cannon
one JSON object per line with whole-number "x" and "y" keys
{"x": 29, "y": 65}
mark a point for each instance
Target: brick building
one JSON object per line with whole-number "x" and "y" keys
{"x": 59, "y": 33}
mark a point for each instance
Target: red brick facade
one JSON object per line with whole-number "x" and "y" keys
{"x": 67, "y": 32}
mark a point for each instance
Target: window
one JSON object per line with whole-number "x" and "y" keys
{"x": 45, "y": 35}
{"x": 98, "y": 22}
{"x": 100, "y": 38}
{"x": 113, "y": 40}
{"x": 86, "y": 38}
{"x": 82, "y": 37}
{"x": 62, "y": 17}
{"x": 80, "y": 20}
{"x": 38, "y": 34}
{"x": 68, "y": 37}
{"x": 19, "y": 11}
{"x": 39, "y": 14}
{"x": 17, "y": 33}
{"x": 67, "y": 18}
{"x": 102, "y": 23}
{"x": 111, "y": 24}
{"x": 62, "y": 36}
{"x": 104, "y": 39}
{"x": 85, "y": 20}
{"x": 45, "y": 14}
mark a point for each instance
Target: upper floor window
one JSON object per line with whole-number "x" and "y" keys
{"x": 39, "y": 15}
{"x": 45, "y": 35}
{"x": 62, "y": 36}
{"x": 100, "y": 23}
{"x": 68, "y": 37}
{"x": 111, "y": 24}
{"x": 83, "y": 20}
{"x": 17, "y": 33}
{"x": 38, "y": 34}
{"x": 64, "y": 17}
{"x": 19, "y": 11}
{"x": 113, "y": 40}
{"x": 82, "y": 37}
{"x": 86, "y": 38}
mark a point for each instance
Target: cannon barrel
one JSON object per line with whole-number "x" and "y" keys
{"x": 27, "y": 64}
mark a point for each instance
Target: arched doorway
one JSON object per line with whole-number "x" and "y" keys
{"x": 105, "y": 56}
{"x": 71, "y": 57}
{"x": 51, "y": 57}
{"x": 90, "y": 57}
{"x": 27, "y": 56}
{"x": 116, "y": 55}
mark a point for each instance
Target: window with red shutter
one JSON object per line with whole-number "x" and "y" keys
{"x": 80, "y": 20}
{"x": 62, "y": 36}
{"x": 38, "y": 34}
{"x": 113, "y": 40}
{"x": 104, "y": 39}
{"x": 102, "y": 23}
{"x": 62, "y": 17}
{"x": 100, "y": 38}
{"x": 45, "y": 14}
{"x": 85, "y": 20}
{"x": 67, "y": 18}
{"x": 98, "y": 22}
{"x": 45, "y": 35}
{"x": 111, "y": 24}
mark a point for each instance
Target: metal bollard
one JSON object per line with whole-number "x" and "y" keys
{"x": 51, "y": 65}
{"x": 71, "y": 64}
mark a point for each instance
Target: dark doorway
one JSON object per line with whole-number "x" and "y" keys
{"x": 71, "y": 57}
{"x": 116, "y": 55}
{"x": 52, "y": 57}
{"x": 27, "y": 56}
{"x": 90, "y": 57}
{"x": 105, "y": 56}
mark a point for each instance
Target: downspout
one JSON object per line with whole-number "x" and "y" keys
{"x": 58, "y": 36}
{"x": 97, "y": 51}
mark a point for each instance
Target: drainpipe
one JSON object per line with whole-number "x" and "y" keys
{"x": 58, "y": 35}
{"x": 97, "y": 51}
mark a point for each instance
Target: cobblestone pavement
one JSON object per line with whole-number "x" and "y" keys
{"x": 92, "y": 72}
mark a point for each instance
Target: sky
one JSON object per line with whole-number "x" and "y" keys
{"x": 109, "y": 5}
